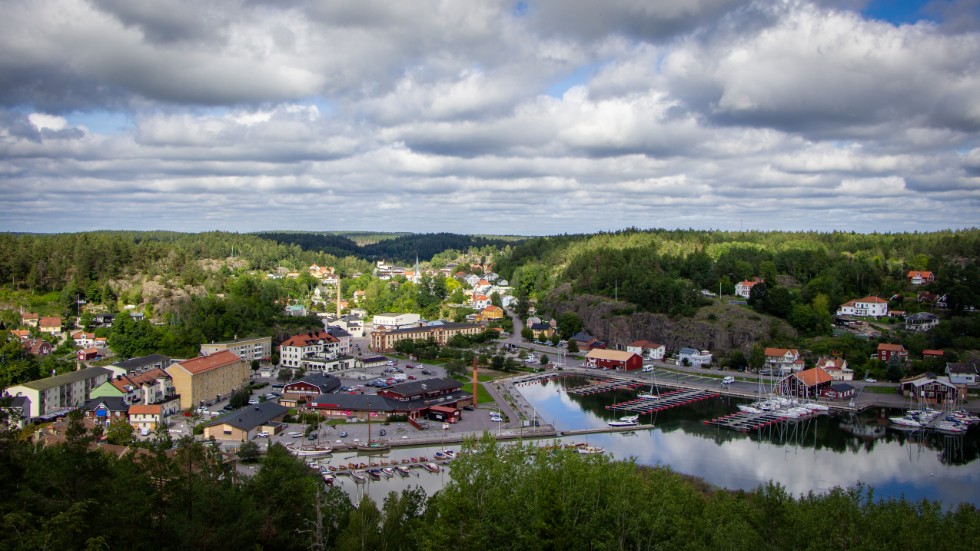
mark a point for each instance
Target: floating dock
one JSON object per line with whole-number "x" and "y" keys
{"x": 665, "y": 401}
{"x": 599, "y": 387}
{"x": 744, "y": 422}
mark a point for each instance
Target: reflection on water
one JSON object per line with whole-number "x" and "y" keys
{"x": 815, "y": 454}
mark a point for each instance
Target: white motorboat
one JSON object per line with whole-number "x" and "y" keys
{"x": 626, "y": 421}
{"x": 905, "y": 422}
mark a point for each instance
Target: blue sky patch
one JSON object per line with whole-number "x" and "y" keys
{"x": 897, "y": 12}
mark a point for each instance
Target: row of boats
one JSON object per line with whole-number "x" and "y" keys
{"x": 947, "y": 422}
{"x": 785, "y": 407}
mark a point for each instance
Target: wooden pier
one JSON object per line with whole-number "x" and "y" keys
{"x": 665, "y": 401}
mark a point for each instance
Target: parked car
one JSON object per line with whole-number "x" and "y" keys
{"x": 311, "y": 437}
{"x": 871, "y": 380}
{"x": 262, "y": 434}
{"x": 228, "y": 407}
{"x": 253, "y": 401}
{"x": 728, "y": 380}
{"x": 426, "y": 372}
{"x": 343, "y": 434}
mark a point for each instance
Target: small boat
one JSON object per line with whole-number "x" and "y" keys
{"x": 950, "y": 427}
{"x": 375, "y": 473}
{"x": 388, "y": 471}
{"x": 590, "y": 450}
{"x": 374, "y": 446}
{"x": 432, "y": 467}
{"x": 405, "y": 461}
{"x": 439, "y": 455}
{"x": 352, "y": 466}
{"x": 450, "y": 454}
{"x": 626, "y": 421}
{"x": 414, "y": 460}
{"x": 331, "y": 468}
{"x": 423, "y": 459}
{"x": 359, "y": 476}
{"x": 311, "y": 450}
{"x": 647, "y": 396}
{"x": 402, "y": 470}
{"x": 749, "y": 409}
{"x": 328, "y": 478}
{"x": 905, "y": 422}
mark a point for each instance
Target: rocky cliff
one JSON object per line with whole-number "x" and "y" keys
{"x": 720, "y": 327}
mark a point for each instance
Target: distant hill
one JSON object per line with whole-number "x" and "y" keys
{"x": 395, "y": 247}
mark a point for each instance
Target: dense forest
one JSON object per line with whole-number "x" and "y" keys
{"x": 807, "y": 275}
{"x": 190, "y": 496}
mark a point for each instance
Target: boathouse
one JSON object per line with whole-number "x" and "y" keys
{"x": 928, "y": 389}
{"x": 613, "y": 359}
{"x": 810, "y": 382}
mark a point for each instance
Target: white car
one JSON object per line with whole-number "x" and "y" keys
{"x": 647, "y": 368}
{"x": 253, "y": 401}
{"x": 871, "y": 380}
{"x": 262, "y": 434}
{"x": 728, "y": 380}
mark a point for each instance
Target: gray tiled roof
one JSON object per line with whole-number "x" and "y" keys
{"x": 250, "y": 417}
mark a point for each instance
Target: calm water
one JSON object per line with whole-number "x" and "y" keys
{"x": 817, "y": 454}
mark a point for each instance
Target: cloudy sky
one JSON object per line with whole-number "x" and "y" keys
{"x": 479, "y": 116}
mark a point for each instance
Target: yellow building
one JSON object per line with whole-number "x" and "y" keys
{"x": 492, "y": 313}
{"x": 206, "y": 379}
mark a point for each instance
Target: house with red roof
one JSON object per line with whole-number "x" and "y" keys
{"x": 315, "y": 344}
{"x": 786, "y": 360}
{"x": 837, "y": 367}
{"x": 648, "y": 350}
{"x": 744, "y": 288}
{"x": 919, "y": 277}
{"x": 887, "y": 351}
{"x": 875, "y": 307}
{"x": 30, "y": 319}
{"x": 50, "y": 325}
{"x": 807, "y": 383}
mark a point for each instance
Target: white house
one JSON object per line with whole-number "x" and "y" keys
{"x": 694, "y": 357}
{"x": 962, "y": 374}
{"x": 868, "y": 306}
{"x": 308, "y": 348}
{"x": 743, "y": 288}
{"x": 648, "y": 350}
{"x": 837, "y": 367}
{"x": 786, "y": 360}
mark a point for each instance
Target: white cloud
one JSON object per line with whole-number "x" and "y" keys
{"x": 704, "y": 113}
